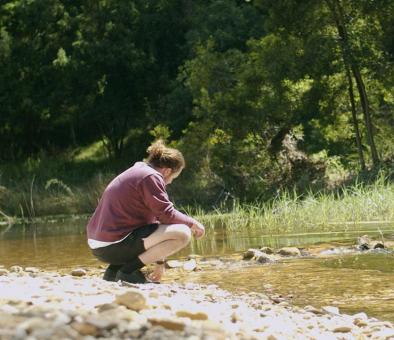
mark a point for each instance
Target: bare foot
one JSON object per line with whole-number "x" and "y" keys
{"x": 157, "y": 273}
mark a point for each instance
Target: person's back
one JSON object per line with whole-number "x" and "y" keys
{"x": 121, "y": 208}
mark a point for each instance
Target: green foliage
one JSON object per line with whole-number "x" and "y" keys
{"x": 256, "y": 94}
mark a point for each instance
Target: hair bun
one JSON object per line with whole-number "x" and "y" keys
{"x": 157, "y": 149}
{"x": 162, "y": 156}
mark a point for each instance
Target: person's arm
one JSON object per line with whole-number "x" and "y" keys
{"x": 156, "y": 199}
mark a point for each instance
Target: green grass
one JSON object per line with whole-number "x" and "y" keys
{"x": 347, "y": 208}
{"x": 32, "y": 199}
{"x": 355, "y": 207}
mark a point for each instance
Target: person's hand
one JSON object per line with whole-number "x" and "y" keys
{"x": 198, "y": 230}
{"x": 157, "y": 273}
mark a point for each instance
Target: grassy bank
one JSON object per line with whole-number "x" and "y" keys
{"x": 349, "y": 207}
{"x": 53, "y": 197}
{"x": 287, "y": 213}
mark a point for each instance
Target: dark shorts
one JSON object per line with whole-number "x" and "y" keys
{"x": 128, "y": 249}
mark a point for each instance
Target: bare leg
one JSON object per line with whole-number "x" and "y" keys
{"x": 165, "y": 241}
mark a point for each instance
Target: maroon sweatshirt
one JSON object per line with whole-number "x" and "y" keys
{"x": 134, "y": 198}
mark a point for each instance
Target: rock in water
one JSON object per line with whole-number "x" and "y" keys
{"x": 264, "y": 258}
{"x": 267, "y": 250}
{"x": 289, "y": 251}
{"x": 174, "y": 264}
{"x": 190, "y": 265}
{"x": 251, "y": 253}
{"x": 378, "y": 245}
{"x": 364, "y": 242}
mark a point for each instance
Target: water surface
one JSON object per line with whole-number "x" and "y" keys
{"x": 354, "y": 283}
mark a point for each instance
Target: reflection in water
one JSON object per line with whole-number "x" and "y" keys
{"x": 315, "y": 282}
{"x": 353, "y": 283}
{"x": 63, "y": 244}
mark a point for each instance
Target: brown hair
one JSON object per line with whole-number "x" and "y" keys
{"x": 161, "y": 156}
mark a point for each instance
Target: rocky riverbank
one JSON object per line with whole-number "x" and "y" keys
{"x": 46, "y": 305}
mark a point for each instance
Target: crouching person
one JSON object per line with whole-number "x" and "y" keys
{"x": 136, "y": 224}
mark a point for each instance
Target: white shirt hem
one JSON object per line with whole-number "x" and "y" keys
{"x": 94, "y": 244}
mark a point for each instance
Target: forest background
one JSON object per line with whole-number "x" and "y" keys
{"x": 261, "y": 96}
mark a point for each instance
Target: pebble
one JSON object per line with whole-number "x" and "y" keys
{"x": 331, "y": 310}
{"x": 63, "y": 307}
{"x": 31, "y": 270}
{"x": 173, "y": 324}
{"x": 16, "y": 269}
{"x": 342, "y": 329}
{"x": 78, "y": 272}
{"x": 192, "y": 315}
{"x": 133, "y": 299}
{"x": 3, "y": 271}
{"x": 85, "y": 328}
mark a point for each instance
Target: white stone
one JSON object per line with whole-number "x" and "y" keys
{"x": 78, "y": 272}
{"x": 331, "y": 310}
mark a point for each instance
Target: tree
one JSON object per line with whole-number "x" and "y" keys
{"x": 338, "y": 14}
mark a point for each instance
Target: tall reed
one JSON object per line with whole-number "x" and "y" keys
{"x": 348, "y": 208}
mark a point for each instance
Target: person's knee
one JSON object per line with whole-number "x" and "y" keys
{"x": 184, "y": 233}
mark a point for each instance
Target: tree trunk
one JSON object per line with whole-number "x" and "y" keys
{"x": 338, "y": 15}
{"x": 354, "y": 118}
{"x": 367, "y": 114}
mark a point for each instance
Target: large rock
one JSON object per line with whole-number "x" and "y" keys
{"x": 251, "y": 253}
{"x": 267, "y": 250}
{"x": 378, "y": 245}
{"x": 364, "y": 242}
{"x": 173, "y": 264}
{"x": 190, "y": 265}
{"x": 133, "y": 299}
{"x": 289, "y": 251}
{"x": 264, "y": 258}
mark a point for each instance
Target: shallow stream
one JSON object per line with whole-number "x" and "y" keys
{"x": 354, "y": 283}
